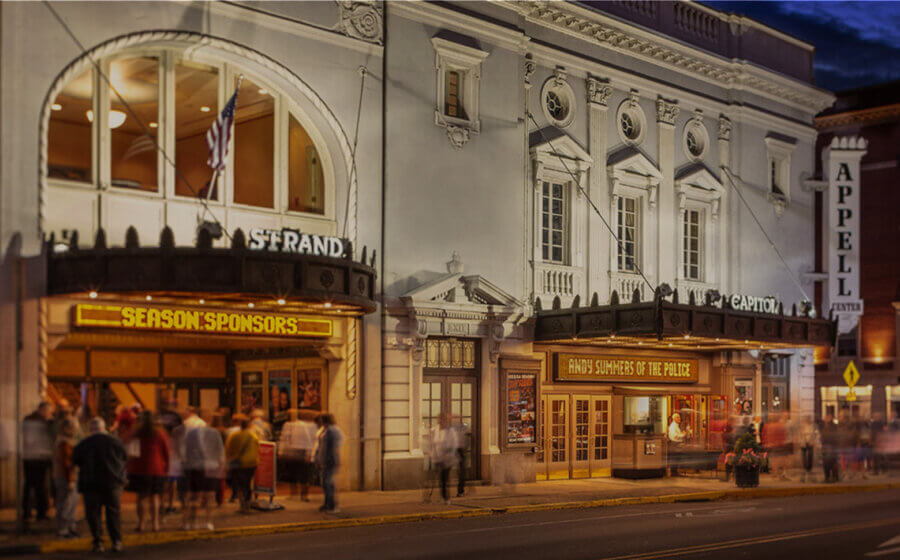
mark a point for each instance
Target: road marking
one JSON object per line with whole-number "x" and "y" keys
{"x": 752, "y": 541}
{"x": 889, "y": 542}
{"x": 883, "y": 552}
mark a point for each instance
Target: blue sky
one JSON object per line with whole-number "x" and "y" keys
{"x": 857, "y": 43}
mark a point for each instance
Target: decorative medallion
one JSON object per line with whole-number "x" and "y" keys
{"x": 326, "y": 278}
{"x": 362, "y": 20}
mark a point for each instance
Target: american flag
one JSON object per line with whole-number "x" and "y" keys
{"x": 220, "y": 133}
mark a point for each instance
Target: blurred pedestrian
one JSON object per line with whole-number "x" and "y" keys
{"x": 64, "y": 481}
{"x": 462, "y": 436}
{"x": 37, "y": 460}
{"x": 327, "y": 452}
{"x": 830, "y": 449}
{"x": 444, "y": 453}
{"x": 219, "y": 424}
{"x": 204, "y": 468}
{"x": 233, "y": 428}
{"x": 295, "y": 446}
{"x": 848, "y": 440}
{"x": 260, "y": 427}
{"x": 878, "y": 430}
{"x": 148, "y": 470}
{"x": 775, "y": 439}
{"x": 242, "y": 453}
{"x": 808, "y": 440}
{"x": 176, "y": 463}
{"x": 100, "y": 459}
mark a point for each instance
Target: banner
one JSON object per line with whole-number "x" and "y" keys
{"x": 264, "y": 481}
{"x": 210, "y": 321}
{"x": 585, "y": 367}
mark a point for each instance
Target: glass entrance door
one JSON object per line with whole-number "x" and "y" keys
{"x": 600, "y": 456}
{"x": 456, "y": 397}
{"x": 557, "y": 437}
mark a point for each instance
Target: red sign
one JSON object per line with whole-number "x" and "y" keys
{"x": 264, "y": 481}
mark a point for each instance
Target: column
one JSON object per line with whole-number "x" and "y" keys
{"x": 667, "y": 219}
{"x": 723, "y": 278}
{"x": 598, "y": 246}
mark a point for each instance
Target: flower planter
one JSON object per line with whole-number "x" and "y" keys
{"x": 746, "y": 477}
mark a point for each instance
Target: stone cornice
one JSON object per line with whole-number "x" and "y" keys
{"x": 585, "y": 24}
{"x": 862, "y": 116}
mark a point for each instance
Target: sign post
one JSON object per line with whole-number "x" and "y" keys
{"x": 265, "y": 481}
{"x": 851, "y": 377}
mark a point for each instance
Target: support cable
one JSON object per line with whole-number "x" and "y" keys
{"x": 734, "y": 186}
{"x": 363, "y": 72}
{"x": 588, "y": 198}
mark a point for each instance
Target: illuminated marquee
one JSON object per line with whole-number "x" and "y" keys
{"x": 583, "y": 367}
{"x": 211, "y": 321}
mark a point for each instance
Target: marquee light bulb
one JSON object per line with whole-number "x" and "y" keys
{"x": 92, "y": 295}
{"x": 251, "y": 305}
{"x": 281, "y": 301}
{"x": 149, "y": 297}
{"x": 328, "y": 305}
{"x": 202, "y": 301}
{"x": 56, "y": 107}
{"x": 116, "y": 117}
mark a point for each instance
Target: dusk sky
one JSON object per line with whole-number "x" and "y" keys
{"x": 857, "y": 43}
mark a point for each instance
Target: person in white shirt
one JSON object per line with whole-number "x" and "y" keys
{"x": 295, "y": 446}
{"x": 204, "y": 466}
{"x": 444, "y": 445}
{"x": 676, "y": 435}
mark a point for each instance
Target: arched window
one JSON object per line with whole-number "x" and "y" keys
{"x": 102, "y": 150}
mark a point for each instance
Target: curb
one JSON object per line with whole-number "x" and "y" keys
{"x": 149, "y": 539}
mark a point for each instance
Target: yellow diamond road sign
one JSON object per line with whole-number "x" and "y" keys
{"x": 851, "y": 374}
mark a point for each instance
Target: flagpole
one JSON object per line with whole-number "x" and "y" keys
{"x": 215, "y": 174}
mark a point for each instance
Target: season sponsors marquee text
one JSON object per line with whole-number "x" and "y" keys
{"x": 211, "y": 321}
{"x": 581, "y": 367}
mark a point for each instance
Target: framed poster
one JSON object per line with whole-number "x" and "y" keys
{"x": 520, "y": 395}
{"x": 310, "y": 384}
{"x": 521, "y": 407}
{"x": 251, "y": 391}
{"x": 279, "y": 395}
{"x": 743, "y": 397}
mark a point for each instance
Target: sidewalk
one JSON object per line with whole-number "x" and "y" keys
{"x": 366, "y": 508}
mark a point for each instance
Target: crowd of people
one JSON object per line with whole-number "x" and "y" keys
{"x": 191, "y": 457}
{"x": 843, "y": 446}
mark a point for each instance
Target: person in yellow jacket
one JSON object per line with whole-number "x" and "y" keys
{"x": 242, "y": 453}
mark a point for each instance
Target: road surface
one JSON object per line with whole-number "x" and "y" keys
{"x": 843, "y": 526}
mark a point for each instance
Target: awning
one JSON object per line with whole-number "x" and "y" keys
{"x": 663, "y": 324}
{"x": 235, "y": 275}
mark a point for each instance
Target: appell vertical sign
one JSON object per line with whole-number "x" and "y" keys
{"x": 841, "y": 161}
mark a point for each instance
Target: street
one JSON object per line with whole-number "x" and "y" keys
{"x": 861, "y": 525}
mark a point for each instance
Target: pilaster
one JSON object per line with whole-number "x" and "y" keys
{"x": 667, "y": 216}
{"x": 598, "y": 249}
{"x": 724, "y": 277}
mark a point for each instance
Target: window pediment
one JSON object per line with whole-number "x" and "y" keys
{"x": 549, "y": 144}
{"x": 699, "y": 181}
{"x": 632, "y": 166}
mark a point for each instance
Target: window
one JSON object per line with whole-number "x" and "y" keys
{"x": 134, "y": 158}
{"x": 777, "y": 365}
{"x": 274, "y": 164}
{"x": 696, "y": 138}
{"x": 458, "y": 74}
{"x": 196, "y": 87}
{"x": 553, "y": 219}
{"x": 627, "y": 215}
{"x": 778, "y": 168}
{"x": 692, "y": 245}
{"x": 558, "y": 100}
{"x": 631, "y": 121}
{"x": 254, "y": 146}
{"x": 71, "y": 152}
{"x": 453, "y": 106}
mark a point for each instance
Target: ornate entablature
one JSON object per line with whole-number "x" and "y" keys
{"x": 459, "y": 305}
{"x": 572, "y": 19}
